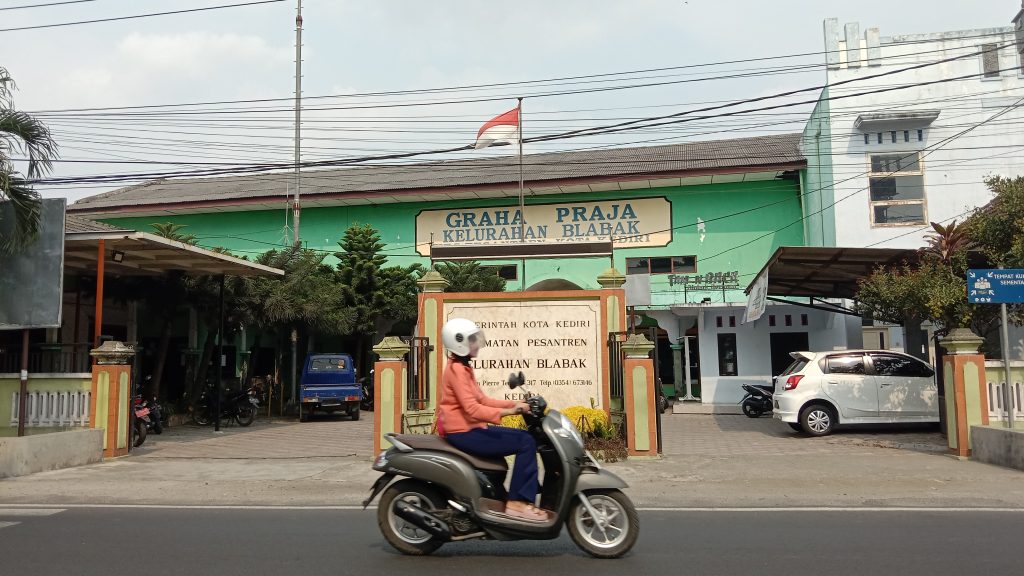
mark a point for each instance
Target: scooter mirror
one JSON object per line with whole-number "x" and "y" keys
{"x": 516, "y": 380}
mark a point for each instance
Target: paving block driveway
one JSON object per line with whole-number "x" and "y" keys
{"x": 327, "y": 436}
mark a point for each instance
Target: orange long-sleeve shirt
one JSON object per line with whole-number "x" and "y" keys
{"x": 463, "y": 405}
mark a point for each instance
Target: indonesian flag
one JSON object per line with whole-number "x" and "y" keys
{"x": 502, "y": 129}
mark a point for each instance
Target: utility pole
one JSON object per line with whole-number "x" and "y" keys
{"x": 296, "y": 207}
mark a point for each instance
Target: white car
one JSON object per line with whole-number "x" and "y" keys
{"x": 821, "y": 390}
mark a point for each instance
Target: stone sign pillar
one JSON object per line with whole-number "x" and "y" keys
{"x": 612, "y": 279}
{"x": 966, "y": 392}
{"x": 389, "y": 381}
{"x": 640, "y": 397}
{"x": 110, "y": 404}
{"x": 431, "y": 309}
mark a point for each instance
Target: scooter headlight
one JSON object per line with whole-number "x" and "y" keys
{"x": 566, "y": 429}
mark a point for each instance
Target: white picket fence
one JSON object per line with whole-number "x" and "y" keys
{"x": 46, "y": 409}
{"x": 996, "y": 401}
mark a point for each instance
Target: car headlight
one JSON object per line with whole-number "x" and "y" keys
{"x": 567, "y": 429}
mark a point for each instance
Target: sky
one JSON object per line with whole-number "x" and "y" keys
{"x": 355, "y": 48}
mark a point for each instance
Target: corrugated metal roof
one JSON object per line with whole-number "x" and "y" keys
{"x": 74, "y": 223}
{"x": 741, "y": 154}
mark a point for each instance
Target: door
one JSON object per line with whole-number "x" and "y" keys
{"x": 847, "y": 383}
{"x": 906, "y": 387}
{"x": 782, "y": 344}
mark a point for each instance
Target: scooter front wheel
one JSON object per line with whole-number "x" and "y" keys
{"x": 402, "y": 535}
{"x": 608, "y": 528}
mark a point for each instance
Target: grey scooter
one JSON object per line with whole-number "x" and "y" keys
{"x": 446, "y": 495}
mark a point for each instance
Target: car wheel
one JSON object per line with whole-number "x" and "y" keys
{"x": 796, "y": 426}
{"x": 818, "y": 420}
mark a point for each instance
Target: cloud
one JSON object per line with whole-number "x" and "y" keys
{"x": 199, "y": 54}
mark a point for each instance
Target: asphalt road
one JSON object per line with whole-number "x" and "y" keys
{"x": 251, "y": 542}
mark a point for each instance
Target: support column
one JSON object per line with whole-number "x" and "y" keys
{"x": 614, "y": 314}
{"x": 966, "y": 391}
{"x": 389, "y": 381}
{"x": 640, "y": 397}
{"x": 110, "y": 402}
{"x": 431, "y": 309}
{"x": 101, "y": 259}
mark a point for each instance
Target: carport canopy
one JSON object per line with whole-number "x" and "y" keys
{"x": 825, "y": 271}
{"x": 133, "y": 253}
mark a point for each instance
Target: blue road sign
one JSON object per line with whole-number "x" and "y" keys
{"x": 996, "y": 286}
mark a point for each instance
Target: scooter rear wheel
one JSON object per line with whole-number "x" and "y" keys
{"x": 402, "y": 535}
{"x": 751, "y": 411}
{"x": 613, "y": 533}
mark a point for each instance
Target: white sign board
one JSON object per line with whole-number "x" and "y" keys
{"x": 633, "y": 223}
{"x": 638, "y": 289}
{"x": 757, "y": 299}
{"x": 556, "y": 344}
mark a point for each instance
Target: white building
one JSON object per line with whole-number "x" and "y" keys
{"x": 905, "y": 134}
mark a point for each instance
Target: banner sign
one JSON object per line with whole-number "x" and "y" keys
{"x": 556, "y": 344}
{"x": 757, "y": 300}
{"x": 633, "y": 223}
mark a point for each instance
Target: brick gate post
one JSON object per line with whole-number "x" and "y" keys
{"x": 389, "y": 383}
{"x": 963, "y": 371}
{"x": 110, "y": 403}
{"x": 640, "y": 397}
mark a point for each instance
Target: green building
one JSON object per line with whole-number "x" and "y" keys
{"x": 695, "y": 222}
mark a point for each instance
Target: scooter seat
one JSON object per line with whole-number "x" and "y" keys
{"x": 438, "y": 444}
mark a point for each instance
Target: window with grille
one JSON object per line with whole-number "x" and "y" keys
{"x": 896, "y": 183}
{"x": 662, "y": 265}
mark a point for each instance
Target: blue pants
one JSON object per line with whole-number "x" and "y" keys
{"x": 498, "y": 442}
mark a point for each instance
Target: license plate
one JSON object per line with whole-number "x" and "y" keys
{"x": 309, "y": 399}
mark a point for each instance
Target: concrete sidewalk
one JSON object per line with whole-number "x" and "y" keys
{"x": 710, "y": 461}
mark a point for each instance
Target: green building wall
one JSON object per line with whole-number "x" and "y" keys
{"x": 743, "y": 223}
{"x": 817, "y": 180}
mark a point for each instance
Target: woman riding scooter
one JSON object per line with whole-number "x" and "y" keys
{"x": 464, "y": 413}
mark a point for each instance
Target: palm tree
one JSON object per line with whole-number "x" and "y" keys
{"x": 21, "y": 134}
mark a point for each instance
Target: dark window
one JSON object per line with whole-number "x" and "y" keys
{"x": 899, "y": 214}
{"x": 879, "y": 137}
{"x": 920, "y": 135}
{"x": 789, "y": 320}
{"x": 884, "y": 163}
{"x": 895, "y": 365}
{"x": 851, "y": 364}
{"x": 718, "y": 321}
{"x": 661, "y": 265}
{"x": 893, "y": 136}
{"x": 906, "y": 135}
{"x": 867, "y": 138}
{"x": 803, "y": 320}
{"x": 327, "y": 364}
{"x": 684, "y": 264}
{"x": 771, "y": 320}
{"x": 728, "y": 364}
{"x": 638, "y": 266}
{"x": 506, "y": 271}
{"x": 990, "y": 60}
{"x": 732, "y": 321}
{"x": 897, "y": 189}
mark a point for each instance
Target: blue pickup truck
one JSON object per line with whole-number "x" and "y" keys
{"x": 329, "y": 384}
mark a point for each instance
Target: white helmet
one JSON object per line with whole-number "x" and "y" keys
{"x": 458, "y": 333}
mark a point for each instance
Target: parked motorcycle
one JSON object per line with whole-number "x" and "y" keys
{"x": 446, "y": 495}
{"x": 366, "y": 404}
{"x": 142, "y": 421}
{"x": 757, "y": 401}
{"x": 237, "y": 405}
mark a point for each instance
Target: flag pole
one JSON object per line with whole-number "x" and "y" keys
{"x": 522, "y": 196}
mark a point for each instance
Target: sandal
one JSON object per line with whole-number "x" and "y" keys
{"x": 529, "y": 513}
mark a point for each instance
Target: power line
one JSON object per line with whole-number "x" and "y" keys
{"x": 45, "y": 5}
{"x": 39, "y": 26}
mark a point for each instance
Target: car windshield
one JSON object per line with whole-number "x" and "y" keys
{"x": 327, "y": 364}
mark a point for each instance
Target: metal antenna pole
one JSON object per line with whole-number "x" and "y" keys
{"x": 522, "y": 196}
{"x": 296, "y": 207}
